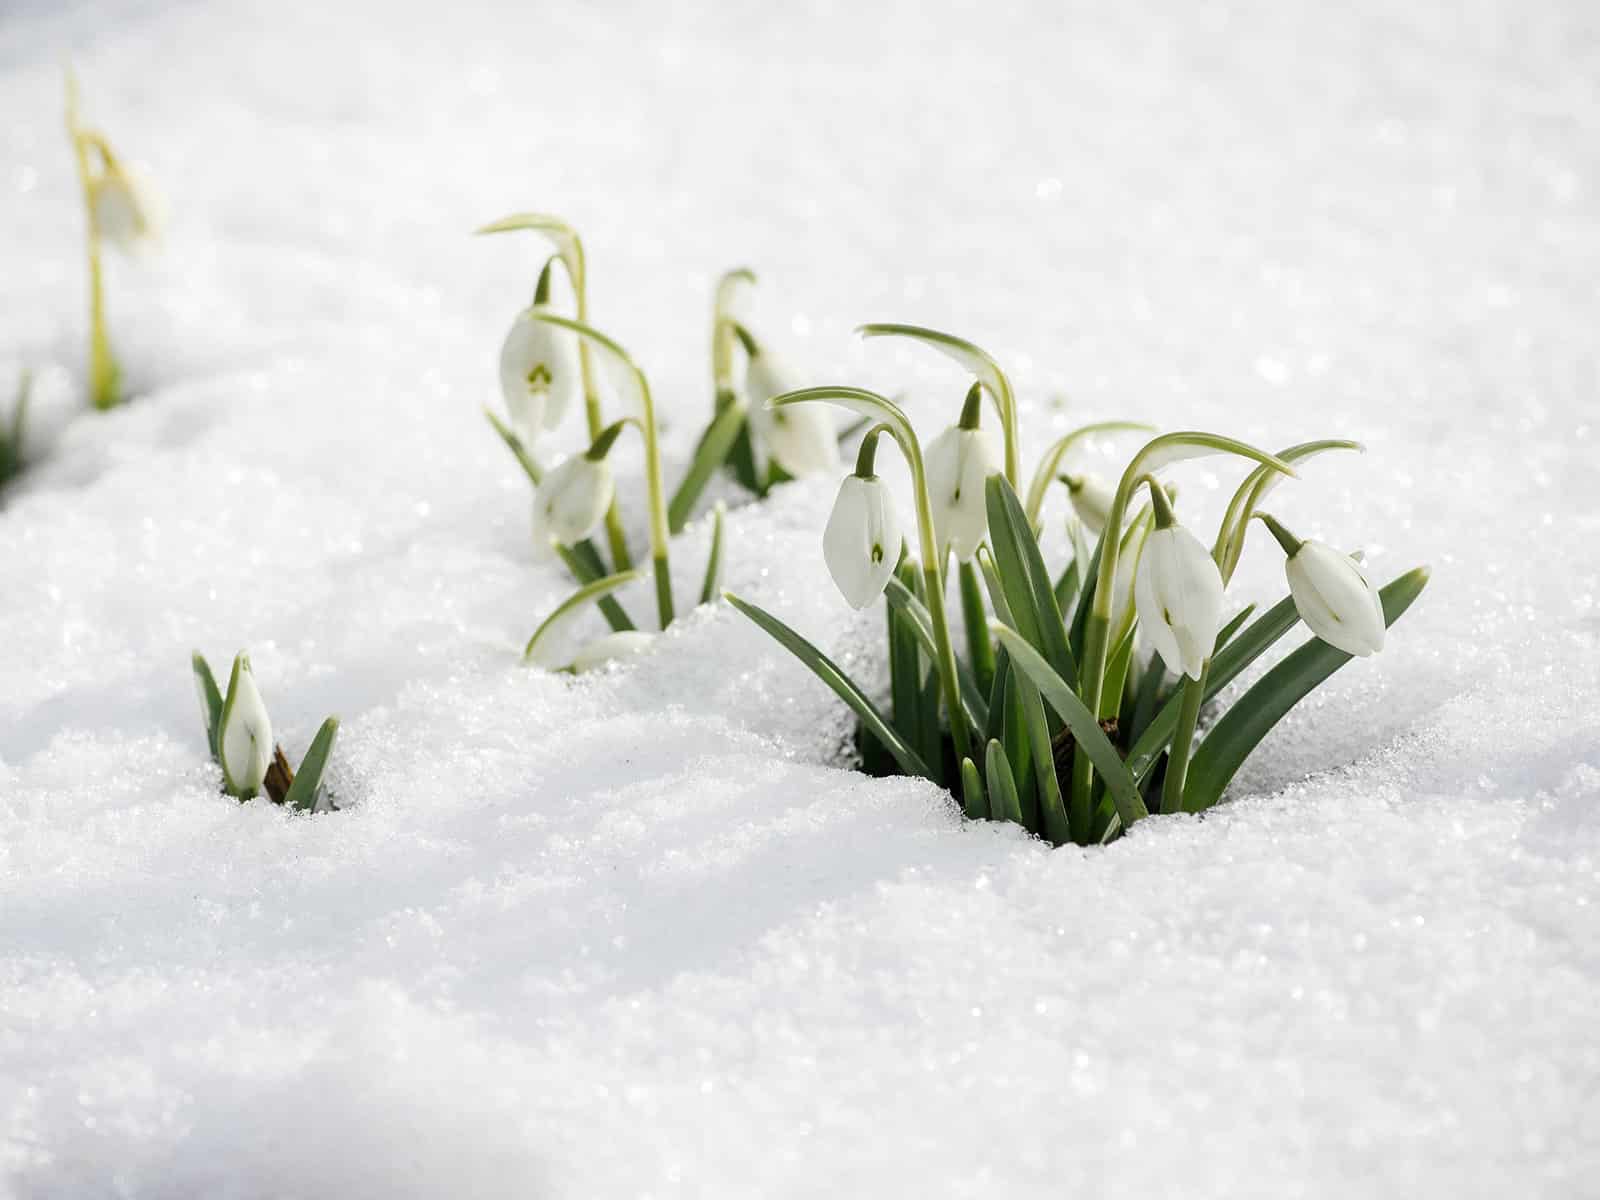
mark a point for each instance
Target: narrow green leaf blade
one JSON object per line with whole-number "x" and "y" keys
{"x": 843, "y": 686}
{"x": 1022, "y": 574}
{"x": 210, "y": 698}
{"x": 1004, "y": 804}
{"x": 715, "y": 446}
{"x": 920, "y": 621}
{"x": 587, "y": 594}
{"x": 1249, "y": 720}
{"x": 713, "y": 581}
{"x": 973, "y": 801}
{"x": 1085, "y": 728}
{"x": 302, "y": 793}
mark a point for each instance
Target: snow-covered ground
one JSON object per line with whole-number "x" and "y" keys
{"x": 644, "y": 935}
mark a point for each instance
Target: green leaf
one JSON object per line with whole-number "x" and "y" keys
{"x": 584, "y": 561}
{"x": 1250, "y": 719}
{"x": 716, "y": 443}
{"x": 1022, "y": 575}
{"x": 973, "y": 802}
{"x": 1080, "y": 616}
{"x": 1004, "y": 804}
{"x": 1086, "y": 731}
{"x": 713, "y": 580}
{"x": 1226, "y": 664}
{"x": 515, "y": 444}
{"x": 210, "y": 700}
{"x": 588, "y": 593}
{"x": 1052, "y": 812}
{"x": 920, "y": 622}
{"x": 843, "y": 686}
{"x": 302, "y": 793}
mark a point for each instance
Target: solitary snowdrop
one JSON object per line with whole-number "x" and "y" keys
{"x": 861, "y": 544}
{"x": 1178, "y": 592}
{"x": 1091, "y": 500}
{"x": 957, "y": 463}
{"x": 613, "y": 647}
{"x": 539, "y": 373}
{"x": 800, "y": 438}
{"x": 244, "y": 742}
{"x": 1333, "y": 595}
{"x": 572, "y": 499}
{"x": 126, "y": 211}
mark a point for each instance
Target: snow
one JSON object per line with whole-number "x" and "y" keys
{"x": 644, "y": 934}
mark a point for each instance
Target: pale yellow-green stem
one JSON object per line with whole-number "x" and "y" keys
{"x": 1052, "y": 459}
{"x": 104, "y": 373}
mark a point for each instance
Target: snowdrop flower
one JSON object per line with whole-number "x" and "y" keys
{"x": 1333, "y": 595}
{"x": 125, "y": 210}
{"x": 800, "y": 438}
{"x": 614, "y": 647}
{"x": 957, "y": 463}
{"x": 861, "y": 544}
{"x": 539, "y": 373}
{"x": 572, "y": 499}
{"x": 244, "y": 742}
{"x": 1178, "y": 592}
{"x": 1091, "y": 500}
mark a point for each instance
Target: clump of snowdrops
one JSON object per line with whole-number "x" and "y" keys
{"x": 239, "y": 734}
{"x": 548, "y": 364}
{"x": 120, "y": 210}
{"x": 1052, "y": 719}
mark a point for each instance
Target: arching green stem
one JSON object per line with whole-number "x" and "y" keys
{"x": 895, "y": 422}
{"x": 1057, "y": 451}
{"x": 1235, "y": 521}
{"x": 976, "y": 360}
{"x": 569, "y": 247}
{"x": 1156, "y": 453}
{"x": 652, "y": 455}
{"x": 723, "y": 332}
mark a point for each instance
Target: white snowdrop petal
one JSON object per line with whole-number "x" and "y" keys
{"x": 1335, "y": 599}
{"x": 800, "y": 438}
{"x": 958, "y": 462}
{"x": 1179, "y": 595}
{"x": 245, "y": 742}
{"x": 861, "y": 543}
{"x": 572, "y": 499}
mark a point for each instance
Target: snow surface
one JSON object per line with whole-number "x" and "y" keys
{"x": 646, "y": 935}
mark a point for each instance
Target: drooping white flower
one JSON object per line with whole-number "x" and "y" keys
{"x": 539, "y": 373}
{"x": 126, "y": 211}
{"x": 1091, "y": 500}
{"x": 958, "y": 462}
{"x": 1335, "y": 598}
{"x": 244, "y": 744}
{"x": 1178, "y": 594}
{"x": 613, "y": 647}
{"x": 800, "y": 438}
{"x": 861, "y": 543}
{"x": 572, "y": 500}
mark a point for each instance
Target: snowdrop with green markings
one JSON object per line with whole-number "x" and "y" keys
{"x": 1045, "y": 715}
{"x": 239, "y": 736}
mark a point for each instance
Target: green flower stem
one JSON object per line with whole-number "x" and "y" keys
{"x": 652, "y": 457}
{"x": 976, "y": 360}
{"x": 979, "y": 648}
{"x": 1194, "y": 691}
{"x": 880, "y": 408}
{"x": 1231, "y": 534}
{"x": 1092, "y": 668}
{"x": 104, "y": 374}
{"x": 1057, "y": 451}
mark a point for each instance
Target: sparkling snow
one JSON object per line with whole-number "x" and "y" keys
{"x": 643, "y": 934}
